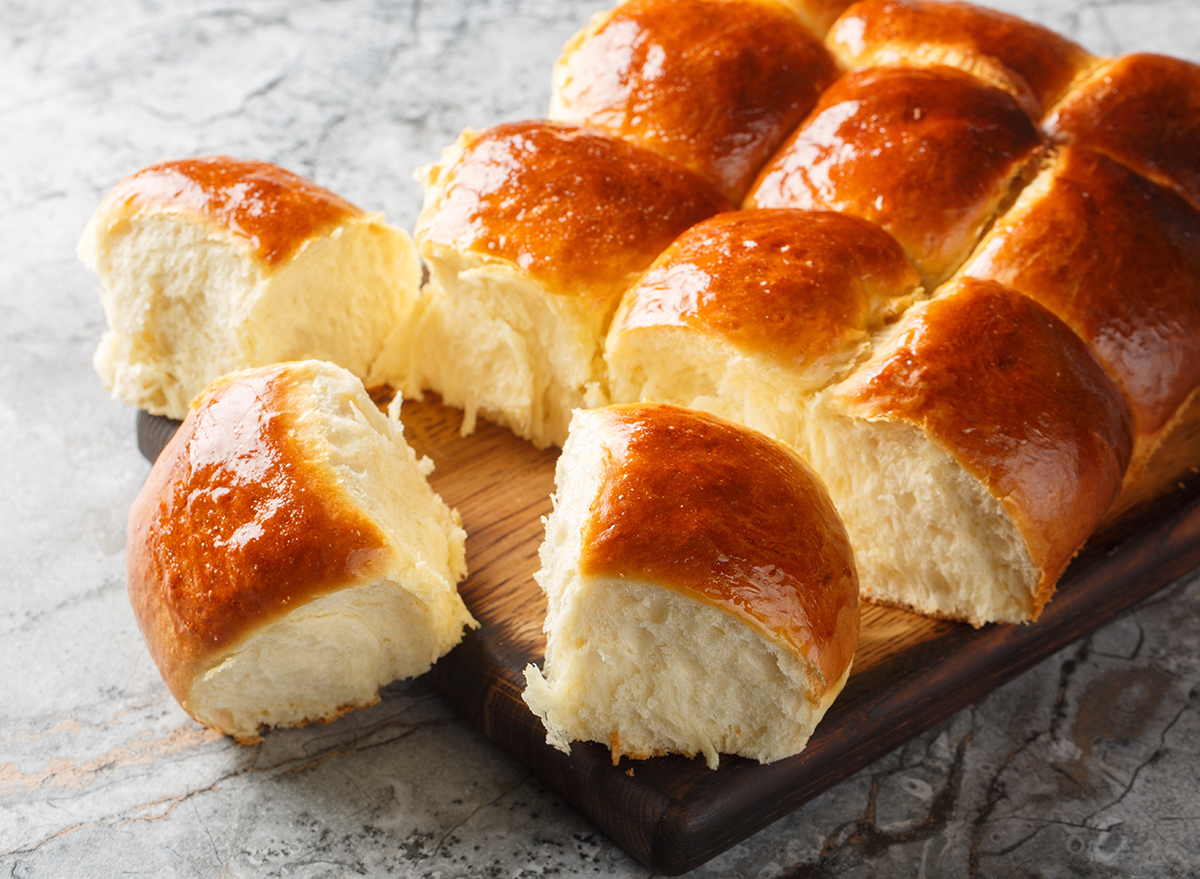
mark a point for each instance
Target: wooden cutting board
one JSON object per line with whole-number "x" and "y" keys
{"x": 909, "y": 672}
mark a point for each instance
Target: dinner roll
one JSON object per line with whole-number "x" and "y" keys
{"x": 1144, "y": 111}
{"x": 749, "y": 312}
{"x": 817, "y": 15}
{"x": 702, "y": 593}
{"x": 972, "y": 456}
{"x": 1032, "y": 63}
{"x": 531, "y": 232}
{"x": 713, "y": 84}
{"x": 286, "y": 557}
{"x": 1118, "y": 259}
{"x": 214, "y": 264}
{"x": 929, "y": 154}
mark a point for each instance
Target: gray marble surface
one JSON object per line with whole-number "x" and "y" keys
{"x": 1086, "y": 766}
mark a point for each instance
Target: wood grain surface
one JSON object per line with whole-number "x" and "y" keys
{"x": 910, "y": 672}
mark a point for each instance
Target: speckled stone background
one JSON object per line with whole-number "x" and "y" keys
{"x": 1089, "y": 765}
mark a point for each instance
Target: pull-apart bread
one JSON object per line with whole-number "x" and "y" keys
{"x": 928, "y": 154}
{"x": 1033, "y": 64}
{"x": 702, "y": 591}
{"x": 750, "y": 312}
{"x": 1118, "y": 259}
{"x": 286, "y": 557}
{"x": 638, "y": 70}
{"x": 970, "y": 445}
{"x": 531, "y": 232}
{"x": 1142, "y": 110}
{"x": 213, "y": 264}
{"x": 972, "y": 455}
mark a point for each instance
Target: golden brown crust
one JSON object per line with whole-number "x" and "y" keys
{"x": 1144, "y": 111}
{"x": 1033, "y": 63}
{"x": 577, "y": 209}
{"x": 795, "y": 288}
{"x": 235, "y": 527}
{"x": 726, "y": 515}
{"x": 1118, "y": 259}
{"x": 818, "y": 15}
{"x": 273, "y": 210}
{"x": 1015, "y": 397}
{"x": 928, "y": 154}
{"x": 714, "y": 84}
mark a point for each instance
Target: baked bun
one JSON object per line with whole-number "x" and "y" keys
{"x": 214, "y": 264}
{"x": 531, "y": 232}
{"x": 702, "y": 593}
{"x": 749, "y": 312}
{"x": 972, "y": 455}
{"x": 286, "y": 557}
{"x": 1144, "y": 111}
{"x": 928, "y": 154}
{"x": 1118, "y": 259}
{"x": 1033, "y": 64}
{"x": 714, "y": 84}
{"x": 817, "y": 15}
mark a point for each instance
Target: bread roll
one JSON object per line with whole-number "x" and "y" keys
{"x": 531, "y": 232}
{"x": 713, "y": 84}
{"x": 214, "y": 264}
{"x": 286, "y": 557}
{"x": 1144, "y": 111}
{"x": 972, "y": 456}
{"x": 928, "y": 154}
{"x": 702, "y": 593}
{"x": 750, "y": 312}
{"x": 817, "y": 15}
{"x": 1118, "y": 259}
{"x": 1033, "y": 64}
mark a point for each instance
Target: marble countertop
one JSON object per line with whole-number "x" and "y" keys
{"x": 1085, "y": 766}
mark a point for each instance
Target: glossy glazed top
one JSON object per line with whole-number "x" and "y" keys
{"x": 1041, "y": 63}
{"x": 799, "y": 289}
{"x": 1144, "y": 111}
{"x": 714, "y": 84}
{"x": 728, "y": 516}
{"x": 929, "y": 154}
{"x": 1015, "y": 397}
{"x": 235, "y": 527}
{"x": 275, "y": 211}
{"x": 1118, "y": 259}
{"x": 578, "y": 209}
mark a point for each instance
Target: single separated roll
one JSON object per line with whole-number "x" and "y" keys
{"x": 286, "y": 557}
{"x": 531, "y": 232}
{"x": 702, "y": 592}
{"x": 214, "y": 264}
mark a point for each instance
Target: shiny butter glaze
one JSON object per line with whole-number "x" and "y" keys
{"x": 714, "y": 84}
{"x": 235, "y": 527}
{"x": 578, "y": 209}
{"x": 1039, "y": 63}
{"x": 1118, "y": 259}
{"x": 1015, "y": 397}
{"x": 1144, "y": 111}
{"x": 799, "y": 289}
{"x": 718, "y": 512}
{"x": 274, "y": 210}
{"x": 929, "y": 154}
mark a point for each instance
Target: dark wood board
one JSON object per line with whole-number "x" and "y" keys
{"x": 910, "y": 672}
